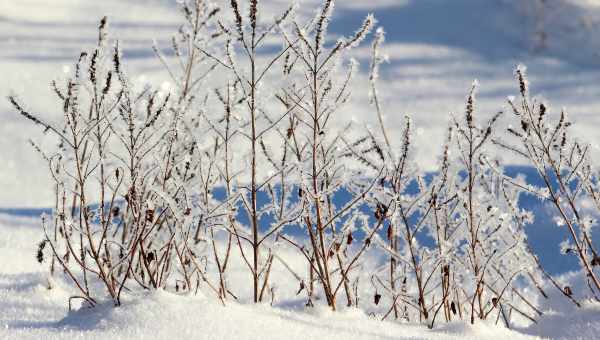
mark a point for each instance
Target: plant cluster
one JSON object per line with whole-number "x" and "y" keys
{"x": 164, "y": 189}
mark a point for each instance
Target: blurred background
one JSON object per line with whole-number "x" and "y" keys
{"x": 436, "y": 49}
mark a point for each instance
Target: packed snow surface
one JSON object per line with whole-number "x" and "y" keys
{"x": 162, "y": 315}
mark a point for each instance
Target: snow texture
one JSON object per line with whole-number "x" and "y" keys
{"x": 29, "y": 310}
{"x": 434, "y": 47}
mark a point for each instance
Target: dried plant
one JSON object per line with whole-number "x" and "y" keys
{"x": 168, "y": 190}
{"x": 470, "y": 212}
{"x": 317, "y": 92}
{"x": 565, "y": 168}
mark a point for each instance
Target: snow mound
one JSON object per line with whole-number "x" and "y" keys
{"x": 583, "y": 323}
{"x": 562, "y": 319}
{"x": 161, "y": 315}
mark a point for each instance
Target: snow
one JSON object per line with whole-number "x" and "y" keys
{"x": 577, "y": 324}
{"x": 435, "y": 47}
{"x": 29, "y": 310}
{"x": 564, "y": 320}
{"x": 162, "y": 315}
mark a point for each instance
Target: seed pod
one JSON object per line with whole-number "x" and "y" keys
{"x": 568, "y": 291}
{"x": 453, "y": 307}
{"x": 381, "y": 211}
{"x": 301, "y": 288}
{"x": 349, "y": 239}
{"x": 495, "y": 302}
{"x": 376, "y": 298}
{"x": 108, "y": 83}
{"x": 433, "y": 199}
{"x": 40, "y": 251}
{"x": 149, "y": 215}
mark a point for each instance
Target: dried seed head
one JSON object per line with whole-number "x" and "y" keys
{"x": 22, "y": 111}
{"x": 117, "y": 59}
{"x": 524, "y": 125}
{"x": 521, "y": 75}
{"x": 253, "y": 14}
{"x": 102, "y": 28}
{"x": 362, "y": 32}
{"x": 323, "y": 23}
{"x": 239, "y": 23}
{"x": 149, "y": 215}
{"x": 381, "y": 211}
{"x": 92, "y": 68}
{"x": 471, "y": 104}
{"x": 40, "y": 251}
{"x": 285, "y": 15}
{"x": 377, "y": 298}
{"x": 108, "y": 83}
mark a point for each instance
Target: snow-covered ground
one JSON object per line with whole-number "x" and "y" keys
{"x": 29, "y": 310}
{"x": 436, "y": 49}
